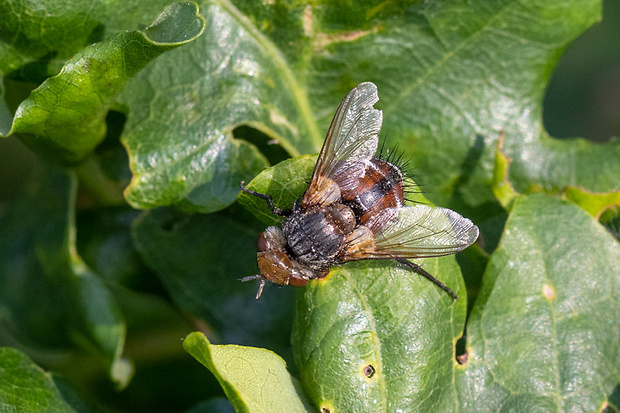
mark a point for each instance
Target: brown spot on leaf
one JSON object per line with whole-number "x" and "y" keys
{"x": 369, "y": 371}
{"x": 548, "y": 292}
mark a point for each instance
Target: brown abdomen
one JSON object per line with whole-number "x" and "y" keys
{"x": 381, "y": 187}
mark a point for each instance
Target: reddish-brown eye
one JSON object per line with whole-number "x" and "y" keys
{"x": 261, "y": 243}
{"x": 297, "y": 281}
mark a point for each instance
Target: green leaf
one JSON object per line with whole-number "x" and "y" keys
{"x": 184, "y": 108}
{"x": 544, "y": 332}
{"x": 502, "y": 187}
{"x": 64, "y": 118}
{"x": 24, "y": 387}
{"x": 255, "y": 380}
{"x": 68, "y": 306}
{"x": 374, "y": 337}
{"x": 594, "y": 203}
{"x": 200, "y": 259}
{"x": 285, "y": 182}
{"x": 38, "y": 37}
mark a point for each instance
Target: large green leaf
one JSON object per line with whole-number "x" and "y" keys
{"x": 544, "y": 334}
{"x": 472, "y": 70}
{"x": 374, "y": 337}
{"x": 67, "y": 305}
{"x": 255, "y": 380}
{"x": 64, "y": 118}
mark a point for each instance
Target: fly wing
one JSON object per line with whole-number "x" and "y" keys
{"x": 417, "y": 232}
{"x": 351, "y": 140}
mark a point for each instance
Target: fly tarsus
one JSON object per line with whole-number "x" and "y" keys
{"x": 268, "y": 199}
{"x": 427, "y": 275}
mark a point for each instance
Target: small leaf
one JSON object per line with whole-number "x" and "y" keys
{"x": 255, "y": 380}
{"x": 502, "y": 188}
{"x": 594, "y": 203}
{"x": 64, "y": 118}
{"x": 24, "y": 387}
{"x": 543, "y": 334}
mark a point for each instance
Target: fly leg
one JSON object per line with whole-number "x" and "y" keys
{"x": 274, "y": 209}
{"x": 425, "y": 274}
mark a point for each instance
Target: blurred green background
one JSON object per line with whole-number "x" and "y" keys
{"x": 583, "y": 96}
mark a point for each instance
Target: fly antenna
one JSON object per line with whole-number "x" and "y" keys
{"x": 261, "y": 286}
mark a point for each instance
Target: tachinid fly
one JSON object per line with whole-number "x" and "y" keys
{"x": 353, "y": 209}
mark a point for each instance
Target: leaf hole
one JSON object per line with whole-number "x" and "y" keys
{"x": 460, "y": 350}
{"x": 369, "y": 371}
{"x": 611, "y": 221}
{"x": 326, "y": 407}
{"x": 266, "y": 144}
{"x": 112, "y": 155}
{"x": 606, "y": 407}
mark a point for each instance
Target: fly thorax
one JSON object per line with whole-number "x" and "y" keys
{"x": 314, "y": 237}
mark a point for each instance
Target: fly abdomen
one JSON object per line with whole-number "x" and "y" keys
{"x": 379, "y": 188}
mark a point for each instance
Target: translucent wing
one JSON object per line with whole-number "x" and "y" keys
{"x": 351, "y": 140}
{"x": 418, "y": 231}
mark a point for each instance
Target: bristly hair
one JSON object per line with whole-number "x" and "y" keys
{"x": 395, "y": 156}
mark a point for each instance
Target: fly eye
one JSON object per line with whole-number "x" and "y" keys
{"x": 261, "y": 243}
{"x": 297, "y": 281}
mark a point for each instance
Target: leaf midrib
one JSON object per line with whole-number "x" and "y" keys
{"x": 375, "y": 336}
{"x": 281, "y": 63}
{"x": 396, "y": 101}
